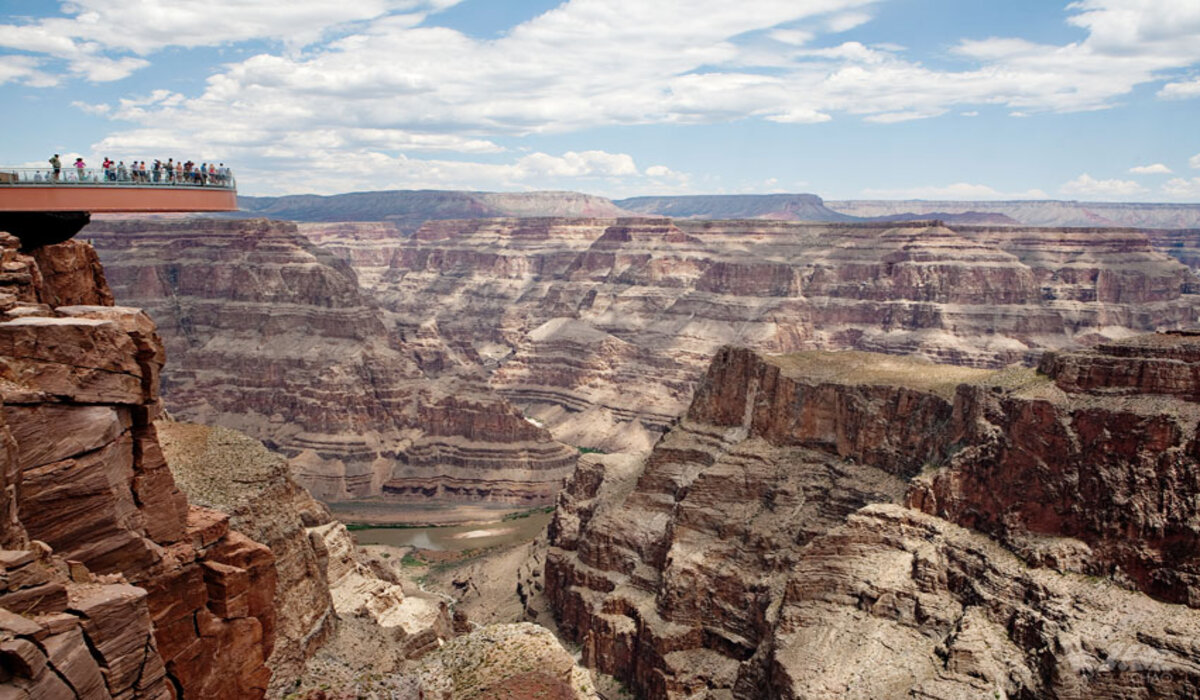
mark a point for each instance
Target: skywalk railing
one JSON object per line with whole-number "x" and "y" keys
{"x": 71, "y": 176}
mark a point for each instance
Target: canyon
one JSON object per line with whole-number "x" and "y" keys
{"x": 459, "y": 363}
{"x": 272, "y": 336}
{"x": 144, "y": 558}
{"x": 864, "y": 526}
{"x": 801, "y": 500}
{"x": 599, "y": 328}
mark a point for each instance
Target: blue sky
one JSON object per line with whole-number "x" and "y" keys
{"x": 934, "y": 99}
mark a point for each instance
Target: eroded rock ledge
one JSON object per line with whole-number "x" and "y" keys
{"x": 114, "y": 586}
{"x": 827, "y": 525}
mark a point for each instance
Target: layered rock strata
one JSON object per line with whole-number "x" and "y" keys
{"x": 324, "y": 583}
{"x": 116, "y": 586}
{"x": 221, "y": 469}
{"x": 599, "y": 328}
{"x": 761, "y": 550}
{"x": 271, "y": 336}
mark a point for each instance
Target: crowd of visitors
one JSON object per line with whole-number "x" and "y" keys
{"x": 171, "y": 172}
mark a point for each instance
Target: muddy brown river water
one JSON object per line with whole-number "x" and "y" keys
{"x": 458, "y": 538}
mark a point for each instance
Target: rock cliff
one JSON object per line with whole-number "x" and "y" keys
{"x": 273, "y": 337}
{"x": 227, "y": 471}
{"x": 114, "y": 585}
{"x": 763, "y": 549}
{"x": 326, "y": 589}
{"x": 599, "y": 328}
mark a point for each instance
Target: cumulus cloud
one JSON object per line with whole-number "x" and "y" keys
{"x": 95, "y": 37}
{"x": 572, "y": 164}
{"x": 1156, "y": 169}
{"x": 372, "y": 77}
{"x": 24, "y": 69}
{"x": 1194, "y": 161}
{"x": 1087, "y": 186}
{"x": 1180, "y": 90}
{"x": 1182, "y": 188}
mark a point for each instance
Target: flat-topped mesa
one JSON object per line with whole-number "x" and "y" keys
{"x": 273, "y": 336}
{"x": 1164, "y": 363}
{"x": 762, "y": 537}
{"x": 407, "y": 210}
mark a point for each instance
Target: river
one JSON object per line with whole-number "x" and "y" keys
{"x": 457, "y": 538}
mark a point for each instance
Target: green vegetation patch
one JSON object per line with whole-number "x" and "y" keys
{"x": 854, "y": 367}
{"x": 527, "y": 513}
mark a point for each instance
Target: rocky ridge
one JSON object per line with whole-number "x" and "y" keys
{"x": 1047, "y": 212}
{"x": 114, "y": 585}
{"x": 273, "y": 337}
{"x": 782, "y": 207}
{"x": 764, "y": 548}
{"x": 408, "y": 209}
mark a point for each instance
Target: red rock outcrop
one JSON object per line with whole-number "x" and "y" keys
{"x": 761, "y": 551}
{"x": 1103, "y": 451}
{"x": 90, "y": 507}
{"x": 272, "y": 336}
{"x": 221, "y": 469}
{"x": 599, "y": 328}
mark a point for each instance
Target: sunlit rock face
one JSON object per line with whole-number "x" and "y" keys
{"x": 113, "y": 585}
{"x": 600, "y": 328}
{"x": 272, "y": 336}
{"x": 857, "y": 525}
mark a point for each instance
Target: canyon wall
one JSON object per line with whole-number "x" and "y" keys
{"x": 114, "y": 585}
{"x": 272, "y": 336}
{"x": 599, "y": 328}
{"x": 861, "y": 526}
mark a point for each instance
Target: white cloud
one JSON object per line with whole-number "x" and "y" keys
{"x": 368, "y": 79}
{"x": 1181, "y": 188}
{"x": 25, "y": 69}
{"x": 1087, "y": 186}
{"x": 956, "y": 191}
{"x": 1180, "y": 90}
{"x": 572, "y": 164}
{"x": 92, "y": 31}
{"x": 99, "y": 109}
{"x": 795, "y": 37}
{"x": 905, "y": 116}
{"x": 846, "y": 21}
{"x": 1156, "y": 169}
{"x": 1194, "y": 161}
